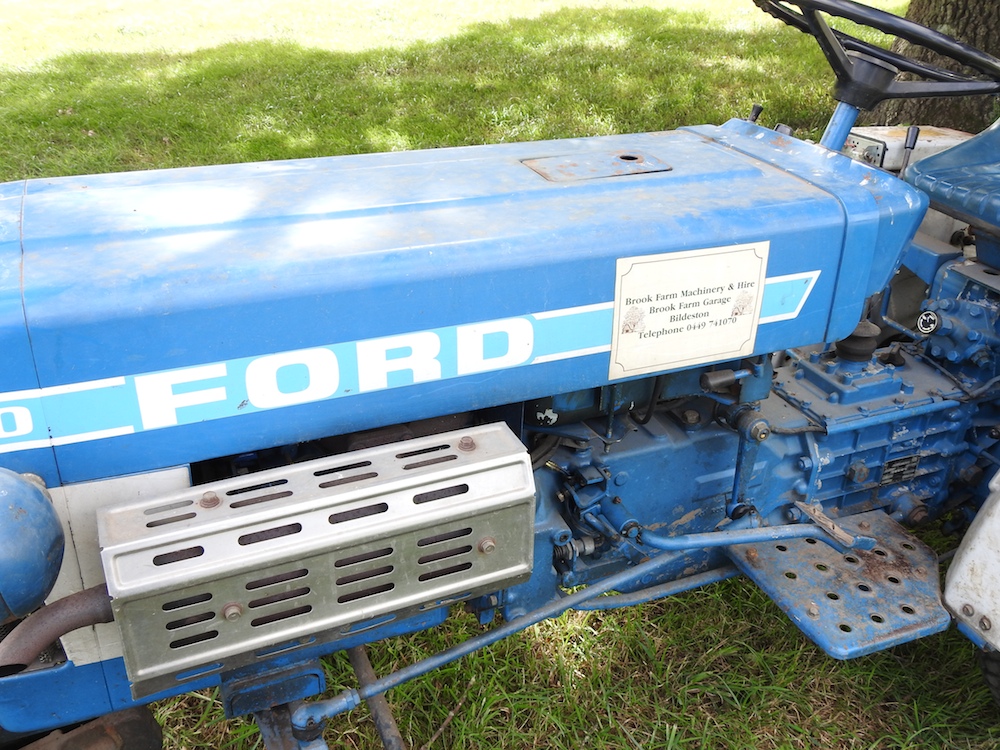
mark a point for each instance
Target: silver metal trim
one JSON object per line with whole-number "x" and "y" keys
{"x": 218, "y": 576}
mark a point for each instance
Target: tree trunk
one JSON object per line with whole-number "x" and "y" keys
{"x": 975, "y": 22}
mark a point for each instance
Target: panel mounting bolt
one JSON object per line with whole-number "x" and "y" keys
{"x": 466, "y": 443}
{"x": 812, "y": 610}
{"x": 967, "y": 610}
{"x": 985, "y": 623}
{"x": 232, "y": 611}
{"x": 487, "y": 545}
{"x": 209, "y": 500}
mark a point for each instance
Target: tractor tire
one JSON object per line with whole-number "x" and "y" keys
{"x": 131, "y": 729}
{"x": 989, "y": 662}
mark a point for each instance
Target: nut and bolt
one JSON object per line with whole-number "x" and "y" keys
{"x": 967, "y": 610}
{"x": 812, "y": 610}
{"x": 864, "y": 526}
{"x": 466, "y": 443}
{"x": 985, "y": 623}
{"x": 209, "y": 500}
{"x": 691, "y": 417}
{"x": 487, "y": 545}
{"x": 917, "y": 516}
{"x": 760, "y": 431}
{"x": 232, "y": 611}
{"x": 857, "y": 472}
{"x": 970, "y": 475}
{"x": 752, "y": 554}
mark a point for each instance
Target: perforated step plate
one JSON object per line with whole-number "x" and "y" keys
{"x": 855, "y": 603}
{"x": 222, "y": 575}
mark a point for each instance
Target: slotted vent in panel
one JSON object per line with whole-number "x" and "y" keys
{"x": 274, "y": 561}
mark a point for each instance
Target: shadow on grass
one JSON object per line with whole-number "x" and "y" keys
{"x": 570, "y": 73}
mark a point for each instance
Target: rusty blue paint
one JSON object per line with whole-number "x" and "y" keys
{"x": 854, "y": 603}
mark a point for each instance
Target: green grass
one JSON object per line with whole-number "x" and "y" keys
{"x": 574, "y": 71}
{"x": 114, "y": 85}
{"x": 716, "y": 668}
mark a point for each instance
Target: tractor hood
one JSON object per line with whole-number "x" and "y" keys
{"x": 242, "y": 306}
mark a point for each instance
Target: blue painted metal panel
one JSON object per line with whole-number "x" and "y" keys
{"x": 143, "y": 273}
{"x": 18, "y": 372}
{"x": 46, "y": 699}
{"x": 880, "y": 214}
{"x": 926, "y": 258}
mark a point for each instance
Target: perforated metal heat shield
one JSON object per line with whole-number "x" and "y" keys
{"x": 227, "y": 574}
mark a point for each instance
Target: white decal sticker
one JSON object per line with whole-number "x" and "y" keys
{"x": 680, "y": 309}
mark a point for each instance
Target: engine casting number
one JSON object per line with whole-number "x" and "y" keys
{"x": 680, "y": 309}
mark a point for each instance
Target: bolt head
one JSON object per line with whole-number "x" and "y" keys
{"x": 232, "y": 611}
{"x": 967, "y": 610}
{"x": 985, "y": 623}
{"x": 209, "y": 500}
{"x": 466, "y": 443}
{"x": 812, "y": 610}
{"x": 487, "y": 545}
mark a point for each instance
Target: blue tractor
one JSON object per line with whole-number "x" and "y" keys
{"x": 251, "y": 415}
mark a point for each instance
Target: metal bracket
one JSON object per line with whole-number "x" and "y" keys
{"x": 816, "y": 514}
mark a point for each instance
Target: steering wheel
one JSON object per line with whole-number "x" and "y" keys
{"x": 866, "y": 73}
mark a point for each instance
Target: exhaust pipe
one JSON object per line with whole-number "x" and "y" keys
{"x": 44, "y": 626}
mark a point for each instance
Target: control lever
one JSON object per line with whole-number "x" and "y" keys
{"x": 912, "y": 134}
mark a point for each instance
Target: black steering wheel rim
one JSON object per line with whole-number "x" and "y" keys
{"x": 857, "y": 86}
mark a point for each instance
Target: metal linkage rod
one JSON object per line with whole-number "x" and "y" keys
{"x": 377, "y": 704}
{"x": 642, "y": 596}
{"x": 746, "y": 536}
{"x": 308, "y": 716}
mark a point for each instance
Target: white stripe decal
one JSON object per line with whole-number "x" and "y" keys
{"x": 110, "y": 407}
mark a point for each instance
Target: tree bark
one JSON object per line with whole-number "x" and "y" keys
{"x": 975, "y": 22}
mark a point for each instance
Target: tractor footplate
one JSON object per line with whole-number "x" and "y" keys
{"x": 853, "y": 603}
